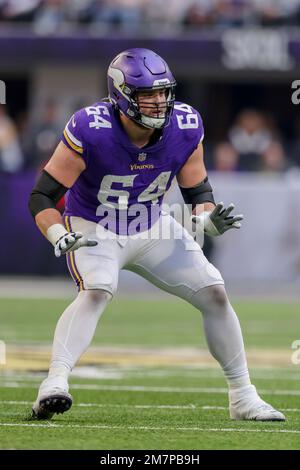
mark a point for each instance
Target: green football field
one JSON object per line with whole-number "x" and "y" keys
{"x": 148, "y": 382}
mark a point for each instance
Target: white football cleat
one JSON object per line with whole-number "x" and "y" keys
{"x": 246, "y": 404}
{"x": 53, "y": 397}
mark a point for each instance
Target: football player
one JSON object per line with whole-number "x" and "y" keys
{"x": 116, "y": 159}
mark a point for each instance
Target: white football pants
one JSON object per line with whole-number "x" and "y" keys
{"x": 176, "y": 265}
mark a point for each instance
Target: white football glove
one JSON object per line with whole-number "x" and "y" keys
{"x": 218, "y": 221}
{"x": 71, "y": 241}
{"x": 65, "y": 242}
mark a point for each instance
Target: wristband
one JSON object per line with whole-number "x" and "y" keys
{"x": 55, "y": 232}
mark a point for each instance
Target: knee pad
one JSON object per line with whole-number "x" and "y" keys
{"x": 95, "y": 296}
{"x": 217, "y": 295}
{"x": 210, "y": 297}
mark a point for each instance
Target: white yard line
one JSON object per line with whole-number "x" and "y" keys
{"x": 50, "y": 425}
{"x": 141, "y": 388}
{"x": 171, "y": 407}
{"x": 118, "y": 373}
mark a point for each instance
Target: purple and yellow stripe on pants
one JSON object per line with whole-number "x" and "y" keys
{"x": 71, "y": 261}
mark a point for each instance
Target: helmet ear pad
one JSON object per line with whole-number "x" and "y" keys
{"x": 137, "y": 70}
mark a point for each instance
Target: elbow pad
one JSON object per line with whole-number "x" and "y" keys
{"x": 45, "y": 194}
{"x": 198, "y": 194}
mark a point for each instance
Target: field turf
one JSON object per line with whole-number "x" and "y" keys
{"x": 137, "y": 398}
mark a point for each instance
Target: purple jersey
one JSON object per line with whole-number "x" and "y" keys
{"x": 123, "y": 185}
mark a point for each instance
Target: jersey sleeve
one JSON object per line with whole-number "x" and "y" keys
{"x": 198, "y": 134}
{"x": 194, "y": 130}
{"x": 72, "y": 135}
{"x": 201, "y": 128}
{"x": 188, "y": 125}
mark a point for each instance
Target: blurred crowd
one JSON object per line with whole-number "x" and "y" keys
{"x": 48, "y": 16}
{"x": 253, "y": 143}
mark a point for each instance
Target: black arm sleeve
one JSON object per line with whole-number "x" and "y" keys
{"x": 45, "y": 194}
{"x": 198, "y": 194}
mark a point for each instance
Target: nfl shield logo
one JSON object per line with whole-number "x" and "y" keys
{"x": 142, "y": 157}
